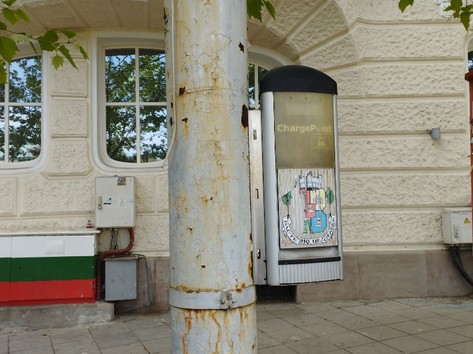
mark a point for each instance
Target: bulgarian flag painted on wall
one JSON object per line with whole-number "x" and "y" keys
{"x": 47, "y": 269}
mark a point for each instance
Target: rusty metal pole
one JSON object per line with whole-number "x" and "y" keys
{"x": 212, "y": 296}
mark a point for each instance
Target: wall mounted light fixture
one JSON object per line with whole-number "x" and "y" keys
{"x": 435, "y": 133}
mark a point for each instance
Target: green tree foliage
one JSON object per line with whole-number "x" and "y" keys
{"x": 24, "y": 127}
{"x": 458, "y": 10}
{"x": 255, "y": 8}
{"x": 56, "y": 42}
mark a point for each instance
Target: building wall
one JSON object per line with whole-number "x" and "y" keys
{"x": 399, "y": 75}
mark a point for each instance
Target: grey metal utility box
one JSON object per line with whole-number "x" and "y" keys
{"x": 120, "y": 278}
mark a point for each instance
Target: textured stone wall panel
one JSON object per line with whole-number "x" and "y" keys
{"x": 289, "y": 52}
{"x": 391, "y": 227}
{"x": 401, "y": 116}
{"x": 51, "y": 223}
{"x": 383, "y": 42}
{"x": 162, "y": 192}
{"x": 410, "y": 152}
{"x": 338, "y": 52}
{"x": 388, "y": 11}
{"x": 404, "y": 79}
{"x": 67, "y": 81}
{"x": 327, "y": 22}
{"x": 292, "y": 14}
{"x": 151, "y": 233}
{"x": 68, "y": 157}
{"x": 405, "y": 190}
{"x": 8, "y": 192}
{"x": 145, "y": 193}
{"x": 258, "y": 34}
{"x": 40, "y": 195}
{"x": 68, "y": 118}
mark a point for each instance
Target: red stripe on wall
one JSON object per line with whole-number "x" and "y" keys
{"x": 45, "y": 292}
{"x": 4, "y": 291}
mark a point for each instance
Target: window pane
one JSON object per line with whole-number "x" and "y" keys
{"x": 2, "y": 134}
{"x": 152, "y": 75}
{"x": 253, "y": 78}
{"x": 24, "y": 133}
{"x": 25, "y": 80}
{"x": 251, "y": 83}
{"x": 153, "y": 133}
{"x": 2, "y": 92}
{"x": 121, "y": 133}
{"x": 120, "y": 75}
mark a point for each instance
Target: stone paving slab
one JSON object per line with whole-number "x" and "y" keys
{"x": 421, "y": 326}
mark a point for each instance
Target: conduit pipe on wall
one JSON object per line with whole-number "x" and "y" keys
{"x": 103, "y": 255}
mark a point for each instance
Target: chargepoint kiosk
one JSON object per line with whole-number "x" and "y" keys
{"x": 295, "y": 179}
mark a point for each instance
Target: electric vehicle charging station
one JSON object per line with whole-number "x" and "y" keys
{"x": 294, "y": 176}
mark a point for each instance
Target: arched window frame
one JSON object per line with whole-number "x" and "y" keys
{"x": 258, "y": 56}
{"x": 14, "y": 167}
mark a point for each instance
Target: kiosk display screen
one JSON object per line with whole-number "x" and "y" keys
{"x": 305, "y": 164}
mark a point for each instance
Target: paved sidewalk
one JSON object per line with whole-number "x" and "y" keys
{"x": 433, "y": 326}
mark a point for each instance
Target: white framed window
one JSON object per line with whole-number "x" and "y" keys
{"x": 131, "y": 96}
{"x": 21, "y": 129}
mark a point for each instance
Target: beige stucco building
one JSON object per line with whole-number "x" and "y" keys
{"x": 399, "y": 75}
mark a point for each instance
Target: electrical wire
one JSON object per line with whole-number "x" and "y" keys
{"x": 455, "y": 254}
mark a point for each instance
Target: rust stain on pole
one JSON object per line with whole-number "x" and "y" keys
{"x": 244, "y": 116}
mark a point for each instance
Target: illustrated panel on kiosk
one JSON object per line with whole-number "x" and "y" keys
{"x": 305, "y": 162}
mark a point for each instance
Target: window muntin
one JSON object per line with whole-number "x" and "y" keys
{"x": 135, "y": 104}
{"x": 20, "y": 112}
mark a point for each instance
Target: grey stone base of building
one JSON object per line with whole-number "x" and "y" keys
{"x": 392, "y": 274}
{"x": 368, "y": 275}
{"x": 54, "y": 316}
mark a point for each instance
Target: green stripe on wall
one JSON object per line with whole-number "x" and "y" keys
{"x": 5, "y": 269}
{"x": 52, "y": 268}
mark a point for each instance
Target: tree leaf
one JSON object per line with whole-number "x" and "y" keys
{"x": 253, "y": 8}
{"x": 3, "y": 72}
{"x": 83, "y": 52}
{"x": 9, "y": 15}
{"x": 64, "y": 51}
{"x": 22, "y": 15}
{"x": 48, "y": 41}
{"x": 8, "y": 3}
{"x": 8, "y": 48}
{"x": 403, "y": 4}
{"x": 69, "y": 34}
{"x": 14, "y": 15}
{"x": 269, "y": 6}
{"x": 465, "y": 19}
{"x": 57, "y": 61}
{"x": 20, "y": 38}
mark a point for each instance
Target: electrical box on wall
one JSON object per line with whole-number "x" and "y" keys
{"x": 457, "y": 226}
{"x": 120, "y": 278}
{"x": 115, "y": 202}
